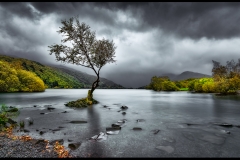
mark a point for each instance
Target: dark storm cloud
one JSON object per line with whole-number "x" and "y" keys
{"x": 187, "y": 19}
{"x": 21, "y": 9}
{"x": 152, "y": 38}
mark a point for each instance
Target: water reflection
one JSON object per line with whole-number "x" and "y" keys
{"x": 96, "y": 149}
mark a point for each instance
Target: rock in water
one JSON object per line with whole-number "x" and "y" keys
{"x": 167, "y": 149}
{"x": 74, "y": 146}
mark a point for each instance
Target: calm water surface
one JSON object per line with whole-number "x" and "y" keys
{"x": 187, "y": 122}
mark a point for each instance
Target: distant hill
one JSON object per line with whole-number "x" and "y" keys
{"x": 183, "y": 76}
{"x": 188, "y": 74}
{"x": 58, "y": 76}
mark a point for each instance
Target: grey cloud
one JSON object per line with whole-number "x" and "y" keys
{"x": 186, "y": 19}
{"x": 20, "y": 9}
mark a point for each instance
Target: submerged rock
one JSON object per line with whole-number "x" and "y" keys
{"x": 74, "y": 146}
{"x": 25, "y": 130}
{"x": 169, "y": 139}
{"x": 156, "y": 131}
{"x": 213, "y": 139}
{"x": 58, "y": 129}
{"x": 100, "y": 137}
{"x": 78, "y": 122}
{"x": 223, "y": 124}
{"x": 116, "y": 125}
{"x": 137, "y": 128}
{"x": 224, "y": 131}
{"x": 167, "y": 149}
{"x": 42, "y": 132}
{"x": 113, "y": 128}
{"x": 50, "y": 108}
{"x": 113, "y": 132}
{"x": 123, "y": 113}
{"x": 140, "y": 120}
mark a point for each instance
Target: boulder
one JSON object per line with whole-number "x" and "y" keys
{"x": 124, "y": 107}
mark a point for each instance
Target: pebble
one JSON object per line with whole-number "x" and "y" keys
{"x": 10, "y": 148}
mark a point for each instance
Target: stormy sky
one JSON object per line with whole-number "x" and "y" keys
{"x": 151, "y": 38}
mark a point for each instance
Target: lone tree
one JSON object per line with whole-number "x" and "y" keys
{"x": 85, "y": 51}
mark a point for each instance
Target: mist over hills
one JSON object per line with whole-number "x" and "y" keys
{"x": 185, "y": 75}
{"x": 87, "y": 78}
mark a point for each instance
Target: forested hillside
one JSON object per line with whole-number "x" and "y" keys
{"x": 88, "y": 79}
{"x": 52, "y": 77}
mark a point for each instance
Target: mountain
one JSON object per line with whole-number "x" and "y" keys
{"x": 188, "y": 74}
{"x": 183, "y": 76}
{"x": 87, "y": 78}
{"x": 58, "y": 76}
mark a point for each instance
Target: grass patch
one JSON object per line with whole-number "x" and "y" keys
{"x": 183, "y": 89}
{"x": 6, "y": 113}
{"x": 21, "y": 123}
{"x": 81, "y": 103}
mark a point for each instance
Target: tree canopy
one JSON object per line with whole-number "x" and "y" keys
{"x": 18, "y": 80}
{"x": 85, "y": 49}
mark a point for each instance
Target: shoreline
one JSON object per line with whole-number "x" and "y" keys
{"x": 26, "y": 147}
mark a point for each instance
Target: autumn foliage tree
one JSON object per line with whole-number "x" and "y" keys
{"x": 85, "y": 51}
{"x": 226, "y": 78}
{"x": 18, "y": 80}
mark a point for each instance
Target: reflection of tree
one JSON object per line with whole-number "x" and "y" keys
{"x": 95, "y": 149}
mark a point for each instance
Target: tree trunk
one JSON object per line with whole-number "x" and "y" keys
{"x": 94, "y": 86}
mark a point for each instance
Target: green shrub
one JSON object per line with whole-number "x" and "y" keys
{"x": 6, "y": 113}
{"x": 21, "y": 123}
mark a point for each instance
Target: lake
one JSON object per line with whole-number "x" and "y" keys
{"x": 168, "y": 124}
